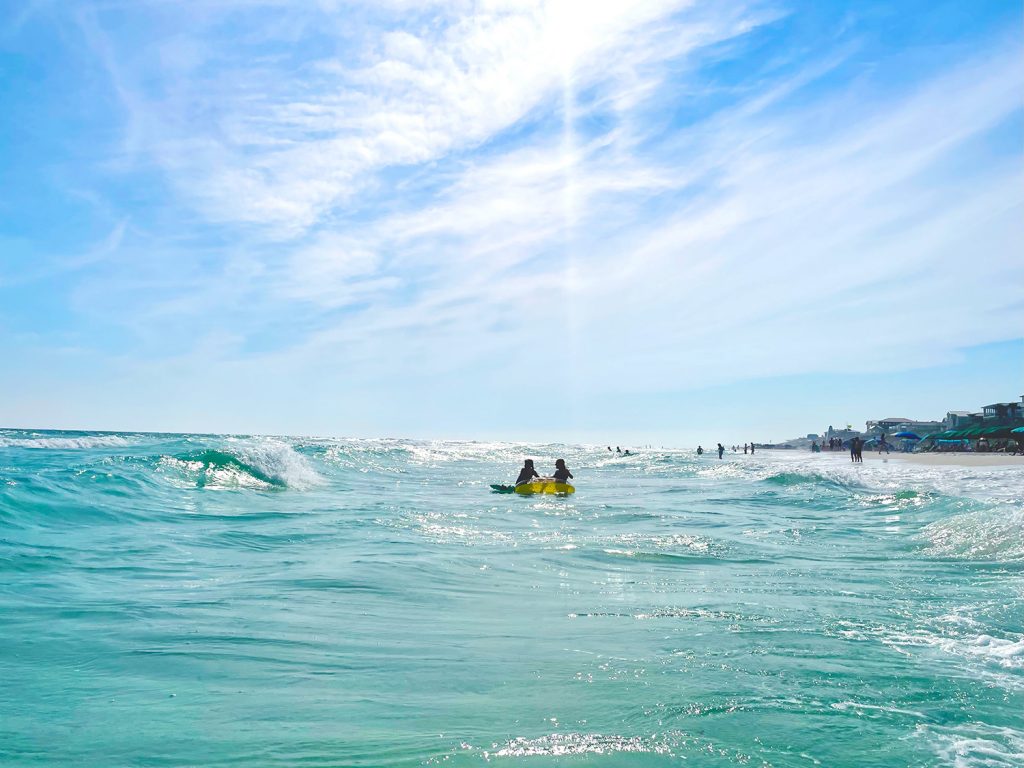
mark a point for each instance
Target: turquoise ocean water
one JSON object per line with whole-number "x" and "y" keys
{"x": 187, "y": 600}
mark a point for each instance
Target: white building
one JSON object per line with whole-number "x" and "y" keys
{"x": 895, "y": 424}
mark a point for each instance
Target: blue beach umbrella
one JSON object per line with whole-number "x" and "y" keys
{"x": 907, "y": 435}
{"x": 1017, "y": 431}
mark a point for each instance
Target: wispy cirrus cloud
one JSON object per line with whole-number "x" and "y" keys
{"x": 772, "y": 235}
{"x": 283, "y": 141}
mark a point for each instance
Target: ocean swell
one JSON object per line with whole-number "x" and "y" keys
{"x": 262, "y": 465}
{"x": 993, "y": 533}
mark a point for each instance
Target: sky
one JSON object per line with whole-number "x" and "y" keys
{"x": 663, "y": 221}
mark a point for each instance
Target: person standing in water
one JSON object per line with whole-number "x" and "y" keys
{"x": 854, "y": 445}
{"x": 721, "y": 450}
{"x": 527, "y": 473}
{"x": 751, "y": 449}
{"x": 744, "y": 449}
{"x": 700, "y": 451}
{"x": 562, "y": 473}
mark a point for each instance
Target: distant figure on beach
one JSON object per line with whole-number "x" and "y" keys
{"x": 814, "y": 447}
{"x": 751, "y": 449}
{"x": 744, "y": 449}
{"x": 562, "y": 473}
{"x": 721, "y": 450}
{"x": 527, "y": 473}
{"x": 700, "y": 451}
{"x": 856, "y": 449}
{"x": 883, "y": 444}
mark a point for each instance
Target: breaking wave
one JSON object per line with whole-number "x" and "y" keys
{"x": 262, "y": 465}
{"x": 976, "y": 745}
{"x": 993, "y": 533}
{"x": 84, "y": 442}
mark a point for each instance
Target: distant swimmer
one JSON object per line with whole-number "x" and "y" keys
{"x": 700, "y": 451}
{"x": 562, "y": 473}
{"x": 626, "y": 452}
{"x": 609, "y": 447}
{"x": 744, "y": 449}
{"x": 527, "y": 473}
{"x": 721, "y": 450}
{"x": 617, "y": 449}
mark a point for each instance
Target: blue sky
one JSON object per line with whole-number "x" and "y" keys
{"x": 657, "y": 221}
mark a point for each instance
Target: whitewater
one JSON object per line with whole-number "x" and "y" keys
{"x": 205, "y": 600}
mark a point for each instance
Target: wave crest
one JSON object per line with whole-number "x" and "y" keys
{"x": 995, "y": 533}
{"x": 66, "y": 443}
{"x": 264, "y": 465}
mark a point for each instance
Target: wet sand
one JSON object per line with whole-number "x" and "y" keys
{"x": 933, "y": 459}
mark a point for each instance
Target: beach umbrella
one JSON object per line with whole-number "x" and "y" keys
{"x": 907, "y": 436}
{"x": 1017, "y": 431}
{"x": 999, "y": 431}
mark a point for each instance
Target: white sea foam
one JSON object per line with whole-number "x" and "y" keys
{"x": 580, "y": 744}
{"x": 276, "y": 460}
{"x": 189, "y": 472}
{"x": 1004, "y": 652}
{"x": 245, "y": 463}
{"x": 983, "y": 483}
{"x": 976, "y": 745}
{"x": 66, "y": 443}
{"x": 999, "y": 659}
{"x": 659, "y": 543}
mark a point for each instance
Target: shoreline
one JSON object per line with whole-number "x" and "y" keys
{"x": 927, "y": 459}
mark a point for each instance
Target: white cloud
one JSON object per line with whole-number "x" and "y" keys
{"x": 291, "y": 141}
{"x": 796, "y": 241}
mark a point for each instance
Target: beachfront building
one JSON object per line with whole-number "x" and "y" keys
{"x": 895, "y": 424}
{"x": 991, "y": 430}
{"x": 960, "y": 419}
{"x": 844, "y": 435}
{"x": 1003, "y": 413}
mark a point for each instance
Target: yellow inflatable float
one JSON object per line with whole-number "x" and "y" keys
{"x": 542, "y": 485}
